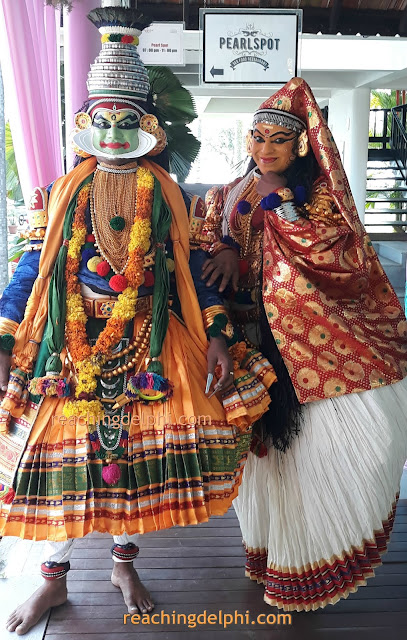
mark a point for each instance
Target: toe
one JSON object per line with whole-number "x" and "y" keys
{"x": 22, "y": 628}
{"x": 12, "y": 623}
{"x": 148, "y": 605}
{"x": 132, "y": 608}
{"x": 12, "y": 617}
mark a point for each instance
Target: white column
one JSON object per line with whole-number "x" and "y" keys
{"x": 349, "y": 123}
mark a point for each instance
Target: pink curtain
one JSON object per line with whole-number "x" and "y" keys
{"x": 81, "y": 46}
{"x": 29, "y": 55}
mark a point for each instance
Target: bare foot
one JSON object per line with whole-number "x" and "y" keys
{"x": 50, "y": 594}
{"x": 136, "y": 597}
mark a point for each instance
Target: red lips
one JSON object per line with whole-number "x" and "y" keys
{"x": 115, "y": 145}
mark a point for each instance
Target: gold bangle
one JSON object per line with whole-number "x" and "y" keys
{"x": 209, "y": 313}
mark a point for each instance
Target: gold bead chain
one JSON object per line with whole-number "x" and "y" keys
{"x": 113, "y": 195}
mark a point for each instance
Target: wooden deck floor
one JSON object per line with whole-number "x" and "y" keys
{"x": 201, "y": 568}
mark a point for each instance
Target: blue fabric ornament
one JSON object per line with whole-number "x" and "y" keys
{"x": 300, "y": 195}
{"x": 244, "y": 207}
{"x": 87, "y": 254}
{"x": 272, "y": 201}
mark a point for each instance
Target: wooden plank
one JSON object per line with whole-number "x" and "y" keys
{"x": 117, "y": 627}
{"x": 164, "y": 574}
{"x": 398, "y": 536}
{"x": 248, "y": 597}
{"x": 70, "y": 611}
{"x": 393, "y": 556}
{"x": 232, "y": 584}
{"x": 187, "y": 532}
{"x": 164, "y": 543}
{"x": 385, "y": 597}
{"x": 301, "y": 622}
{"x": 392, "y": 568}
{"x": 376, "y": 592}
{"x": 378, "y": 633}
{"x": 115, "y": 612}
{"x": 398, "y": 546}
{"x": 236, "y": 634}
{"x": 152, "y": 563}
{"x": 176, "y": 552}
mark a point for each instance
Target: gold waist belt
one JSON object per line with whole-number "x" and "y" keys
{"x": 103, "y": 307}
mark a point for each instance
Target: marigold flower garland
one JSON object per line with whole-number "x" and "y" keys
{"x": 89, "y": 360}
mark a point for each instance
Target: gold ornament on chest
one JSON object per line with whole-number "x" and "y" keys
{"x": 112, "y": 206}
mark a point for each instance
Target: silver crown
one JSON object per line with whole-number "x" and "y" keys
{"x": 118, "y": 69}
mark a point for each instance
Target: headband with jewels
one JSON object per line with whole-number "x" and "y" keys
{"x": 278, "y": 117}
{"x": 117, "y": 80}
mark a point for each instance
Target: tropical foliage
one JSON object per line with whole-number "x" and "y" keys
{"x": 13, "y": 186}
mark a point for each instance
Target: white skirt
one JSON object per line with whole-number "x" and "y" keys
{"x": 316, "y": 519}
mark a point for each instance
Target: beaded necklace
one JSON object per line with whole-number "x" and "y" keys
{"x": 242, "y": 230}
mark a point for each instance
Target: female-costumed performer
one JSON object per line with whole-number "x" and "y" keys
{"x": 319, "y": 490}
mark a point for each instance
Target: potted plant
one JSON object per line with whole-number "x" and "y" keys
{"x": 12, "y": 221}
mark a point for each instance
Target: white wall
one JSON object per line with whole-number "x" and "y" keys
{"x": 349, "y": 123}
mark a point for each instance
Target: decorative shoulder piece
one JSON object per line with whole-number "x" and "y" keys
{"x": 322, "y": 207}
{"x": 197, "y": 213}
{"x": 211, "y": 229}
{"x": 38, "y": 221}
{"x": 281, "y": 202}
{"x": 38, "y": 209}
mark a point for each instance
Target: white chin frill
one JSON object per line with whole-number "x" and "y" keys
{"x": 83, "y": 140}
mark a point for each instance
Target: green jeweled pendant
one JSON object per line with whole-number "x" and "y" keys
{"x": 117, "y": 223}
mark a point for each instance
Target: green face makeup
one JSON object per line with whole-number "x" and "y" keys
{"x": 115, "y": 132}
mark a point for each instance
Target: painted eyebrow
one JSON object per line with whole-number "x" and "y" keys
{"x": 278, "y": 133}
{"x": 131, "y": 117}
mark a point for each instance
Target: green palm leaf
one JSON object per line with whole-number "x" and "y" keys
{"x": 13, "y": 186}
{"x": 183, "y": 148}
{"x": 173, "y": 103}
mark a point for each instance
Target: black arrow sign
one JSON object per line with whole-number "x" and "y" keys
{"x": 216, "y": 72}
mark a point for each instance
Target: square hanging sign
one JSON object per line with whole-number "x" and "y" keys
{"x": 162, "y": 43}
{"x": 257, "y": 47}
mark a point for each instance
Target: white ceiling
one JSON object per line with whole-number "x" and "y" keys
{"x": 329, "y": 64}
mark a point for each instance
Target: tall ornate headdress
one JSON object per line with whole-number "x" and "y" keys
{"x": 117, "y": 79}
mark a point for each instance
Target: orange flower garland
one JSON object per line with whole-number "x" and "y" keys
{"x": 89, "y": 360}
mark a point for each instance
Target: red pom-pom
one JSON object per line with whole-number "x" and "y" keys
{"x": 243, "y": 267}
{"x": 127, "y": 39}
{"x": 103, "y": 268}
{"x": 148, "y": 278}
{"x": 111, "y": 474}
{"x": 118, "y": 283}
{"x": 90, "y": 237}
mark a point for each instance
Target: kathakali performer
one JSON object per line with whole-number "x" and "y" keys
{"x": 106, "y": 422}
{"x": 320, "y": 486}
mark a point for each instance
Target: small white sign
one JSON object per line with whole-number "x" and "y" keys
{"x": 162, "y": 44}
{"x": 249, "y": 47}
